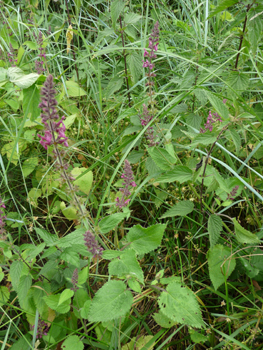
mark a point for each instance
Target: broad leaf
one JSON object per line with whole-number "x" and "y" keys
{"x": 72, "y": 342}
{"x": 117, "y": 7}
{"x": 180, "y": 173}
{"x": 134, "y": 61}
{"x": 131, "y": 18}
{"x": 179, "y": 304}
{"x": 65, "y": 295}
{"x": 31, "y": 99}
{"x": 163, "y": 320}
{"x": 214, "y": 228}
{"x": 52, "y": 301}
{"x": 4, "y": 295}
{"x": 110, "y": 222}
{"x": 15, "y": 273}
{"x": 162, "y": 158}
{"x": 74, "y": 90}
{"x": 223, "y": 4}
{"x": 84, "y": 182}
{"x": 182, "y": 208}
{"x": 23, "y": 288}
{"x": 238, "y": 81}
{"x": 126, "y": 265}
{"x": 144, "y": 240}
{"x": 220, "y": 267}
{"x": 29, "y": 165}
{"x": 20, "y": 79}
{"x": 111, "y": 301}
{"x": 244, "y": 236}
{"x": 47, "y": 237}
{"x": 204, "y": 139}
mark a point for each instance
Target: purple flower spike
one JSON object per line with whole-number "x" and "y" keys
{"x": 92, "y": 244}
{"x": 39, "y": 65}
{"x": 42, "y": 329}
{"x": 74, "y": 280}
{"x": 233, "y": 193}
{"x": 50, "y": 117}
{"x": 212, "y": 118}
{"x": 128, "y": 181}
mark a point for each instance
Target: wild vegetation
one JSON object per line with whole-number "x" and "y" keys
{"x": 131, "y": 175}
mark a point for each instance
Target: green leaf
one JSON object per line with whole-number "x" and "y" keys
{"x": 180, "y": 173}
{"x": 23, "y": 288}
{"x": 134, "y": 61}
{"x": 111, "y": 254}
{"x": 31, "y": 45}
{"x": 162, "y": 158}
{"x": 238, "y": 81}
{"x": 126, "y": 265}
{"x": 111, "y": 301}
{"x": 29, "y": 165}
{"x": 84, "y": 312}
{"x": 47, "y": 237}
{"x": 131, "y": 18}
{"x": 134, "y": 285}
{"x": 218, "y": 105}
{"x": 235, "y": 137}
{"x": 114, "y": 85}
{"x": 110, "y": 222}
{"x": 17, "y": 77}
{"x": 223, "y": 4}
{"x": 70, "y": 256}
{"x": 244, "y": 236}
{"x": 69, "y": 212}
{"x": 73, "y": 342}
{"x": 180, "y": 305}
{"x": 23, "y": 343}
{"x": 33, "y": 196}
{"x": 254, "y": 25}
{"x": 194, "y": 121}
{"x": 52, "y": 302}
{"x": 144, "y": 240}
{"x": 15, "y": 273}
{"x": 117, "y": 7}
{"x": 182, "y": 208}
{"x": 203, "y": 139}
{"x": 197, "y": 337}
{"x": 4, "y": 295}
{"x": 65, "y": 295}
{"x": 142, "y": 343}
{"x": 163, "y": 320}
{"x": 214, "y": 228}
{"x": 75, "y": 237}
{"x": 220, "y": 267}
{"x": 84, "y": 183}
{"x": 74, "y": 90}
{"x": 31, "y": 99}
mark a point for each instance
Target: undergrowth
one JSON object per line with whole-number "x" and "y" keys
{"x": 131, "y": 175}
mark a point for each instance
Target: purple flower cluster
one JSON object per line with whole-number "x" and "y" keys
{"x": 74, "y": 280}
{"x": 233, "y": 193}
{"x": 212, "y": 118}
{"x": 147, "y": 114}
{"x": 39, "y": 65}
{"x": 50, "y": 118}
{"x": 128, "y": 181}
{"x": 11, "y": 55}
{"x": 42, "y": 329}
{"x": 92, "y": 244}
{"x": 2, "y": 218}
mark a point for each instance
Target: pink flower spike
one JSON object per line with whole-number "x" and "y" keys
{"x": 156, "y": 47}
{"x": 145, "y": 53}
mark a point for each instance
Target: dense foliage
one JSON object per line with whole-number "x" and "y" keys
{"x": 131, "y": 174}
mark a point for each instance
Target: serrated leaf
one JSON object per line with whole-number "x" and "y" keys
{"x": 162, "y": 158}
{"x": 47, "y": 237}
{"x": 20, "y": 79}
{"x": 33, "y": 196}
{"x": 220, "y": 267}
{"x": 73, "y": 342}
{"x": 197, "y": 337}
{"x": 131, "y": 18}
{"x": 69, "y": 212}
{"x": 134, "y": 61}
{"x": 84, "y": 183}
{"x": 52, "y": 302}
{"x": 70, "y": 256}
{"x": 127, "y": 264}
{"x": 23, "y": 288}
{"x": 134, "y": 285}
{"x": 244, "y": 236}
{"x": 238, "y": 81}
{"x": 31, "y": 99}
{"x": 163, "y": 320}
{"x": 218, "y": 105}
{"x": 110, "y": 222}
{"x": 76, "y": 237}
{"x": 111, "y": 301}
{"x": 194, "y": 121}
{"x": 182, "y": 208}
{"x": 144, "y": 240}
{"x": 214, "y": 228}
{"x": 74, "y": 90}
{"x": 4, "y": 295}
{"x": 203, "y": 139}
{"x": 180, "y": 305}
{"x": 15, "y": 273}
{"x": 29, "y": 165}
{"x": 180, "y": 173}
{"x": 111, "y": 254}
{"x": 222, "y": 6}
{"x": 142, "y": 343}
{"x": 65, "y": 295}
{"x": 117, "y": 7}
{"x": 254, "y": 25}
{"x": 235, "y": 137}
{"x": 114, "y": 85}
